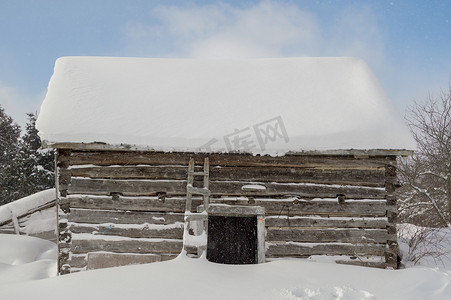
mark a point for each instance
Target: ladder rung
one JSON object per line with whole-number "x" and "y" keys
{"x": 199, "y": 173}
{"x": 198, "y": 191}
{"x": 196, "y": 217}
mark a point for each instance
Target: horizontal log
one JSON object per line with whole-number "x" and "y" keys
{"x": 178, "y": 187}
{"x": 126, "y": 246}
{"x": 107, "y": 260}
{"x": 130, "y": 203}
{"x": 100, "y": 146}
{"x": 362, "y": 263}
{"x": 106, "y": 158}
{"x": 279, "y": 207}
{"x": 141, "y": 231}
{"x": 305, "y": 249}
{"x": 49, "y": 235}
{"x": 263, "y": 174}
{"x": 166, "y": 257}
{"x": 354, "y": 261}
{"x": 312, "y": 207}
{"x": 325, "y": 222}
{"x": 122, "y": 217}
{"x": 77, "y": 261}
{"x": 369, "y": 236}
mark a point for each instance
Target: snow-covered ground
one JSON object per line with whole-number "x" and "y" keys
{"x": 23, "y": 260}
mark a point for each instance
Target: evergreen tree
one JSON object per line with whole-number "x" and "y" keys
{"x": 9, "y": 145}
{"x": 25, "y": 168}
{"x": 35, "y": 167}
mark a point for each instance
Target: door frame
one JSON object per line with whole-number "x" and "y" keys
{"x": 225, "y": 210}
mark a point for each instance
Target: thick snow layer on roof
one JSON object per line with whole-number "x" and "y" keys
{"x": 261, "y": 106}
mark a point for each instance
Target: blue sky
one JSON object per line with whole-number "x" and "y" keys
{"x": 407, "y": 43}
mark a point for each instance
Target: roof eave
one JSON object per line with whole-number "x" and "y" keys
{"x": 98, "y": 146}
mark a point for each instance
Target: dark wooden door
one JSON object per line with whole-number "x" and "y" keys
{"x": 232, "y": 240}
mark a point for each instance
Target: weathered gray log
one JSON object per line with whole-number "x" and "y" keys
{"x": 49, "y": 235}
{"x": 99, "y": 146}
{"x": 264, "y": 174}
{"x": 178, "y": 187}
{"x": 305, "y": 249}
{"x": 77, "y": 261}
{"x": 300, "y": 208}
{"x": 279, "y": 207}
{"x": 130, "y": 203}
{"x": 363, "y": 263}
{"x": 9, "y": 230}
{"x": 325, "y": 222}
{"x": 123, "y": 217}
{"x": 353, "y": 260}
{"x": 108, "y": 260}
{"x": 166, "y": 257}
{"x": 81, "y": 260}
{"x": 144, "y": 231}
{"x": 126, "y": 246}
{"x": 230, "y": 159}
{"x": 367, "y": 236}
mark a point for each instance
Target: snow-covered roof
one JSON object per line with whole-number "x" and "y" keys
{"x": 262, "y": 106}
{"x": 27, "y": 204}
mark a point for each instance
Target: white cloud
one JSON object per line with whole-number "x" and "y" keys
{"x": 270, "y": 29}
{"x": 265, "y": 29}
{"x": 16, "y": 105}
{"x": 355, "y": 32}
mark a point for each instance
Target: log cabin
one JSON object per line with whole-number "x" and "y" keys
{"x": 241, "y": 160}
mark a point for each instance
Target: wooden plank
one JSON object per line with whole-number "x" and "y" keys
{"x": 325, "y": 222}
{"x": 178, "y": 187}
{"x": 126, "y": 246}
{"x": 141, "y": 231}
{"x": 123, "y": 217}
{"x": 367, "y": 236}
{"x": 263, "y": 174}
{"x": 105, "y": 158}
{"x": 306, "y": 249}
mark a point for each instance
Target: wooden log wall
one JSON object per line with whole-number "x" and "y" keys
{"x": 132, "y": 202}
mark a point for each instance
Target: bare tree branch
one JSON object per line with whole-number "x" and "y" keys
{"x": 427, "y": 174}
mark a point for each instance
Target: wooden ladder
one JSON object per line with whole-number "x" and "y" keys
{"x": 196, "y": 223}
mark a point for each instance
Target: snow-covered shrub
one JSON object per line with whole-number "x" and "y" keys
{"x": 424, "y": 245}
